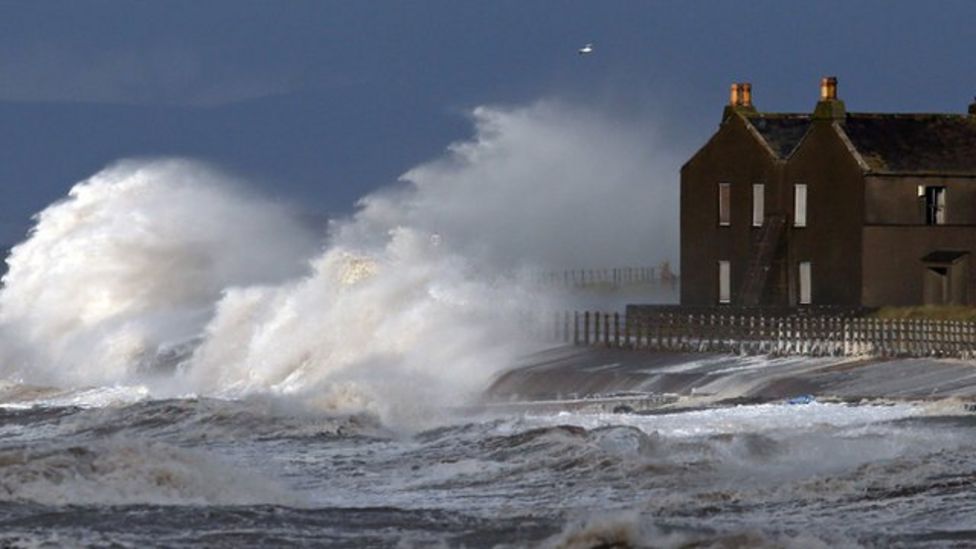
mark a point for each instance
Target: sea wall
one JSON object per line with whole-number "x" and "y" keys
{"x": 569, "y": 372}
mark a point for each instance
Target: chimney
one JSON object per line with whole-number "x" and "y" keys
{"x": 972, "y": 108}
{"x": 745, "y": 94}
{"x": 829, "y": 107}
{"x": 828, "y": 88}
{"x": 740, "y": 100}
{"x": 740, "y": 95}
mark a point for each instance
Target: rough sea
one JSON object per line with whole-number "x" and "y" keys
{"x": 111, "y": 467}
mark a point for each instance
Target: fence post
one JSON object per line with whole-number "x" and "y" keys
{"x": 643, "y": 332}
{"x": 754, "y": 337}
{"x": 616, "y": 329}
{"x": 576, "y": 326}
{"x": 586, "y": 328}
{"x": 670, "y": 330}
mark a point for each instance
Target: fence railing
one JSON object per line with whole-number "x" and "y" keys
{"x": 757, "y": 334}
{"x": 616, "y": 277}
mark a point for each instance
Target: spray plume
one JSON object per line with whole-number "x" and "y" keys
{"x": 409, "y": 305}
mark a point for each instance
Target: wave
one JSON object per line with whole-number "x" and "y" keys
{"x": 186, "y": 421}
{"x": 131, "y": 263}
{"x": 119, "y": 472}
{"x": 166, "y": 274}
{"x": 623, "y": 529}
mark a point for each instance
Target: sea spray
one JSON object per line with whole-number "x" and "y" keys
{"x": 398, "y": 330}
{"x": 413, "y": 303}
{"x": 549, "y": 185}
{"x": 134, "y": 258}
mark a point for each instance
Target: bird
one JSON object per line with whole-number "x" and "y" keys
{"x": 586, "y": 49}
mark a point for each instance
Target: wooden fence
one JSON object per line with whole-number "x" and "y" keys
{"x": 756, "y": 334}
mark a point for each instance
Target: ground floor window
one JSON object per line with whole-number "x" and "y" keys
{"x": 724, "y": 282}
{"x": 806, "y": 293}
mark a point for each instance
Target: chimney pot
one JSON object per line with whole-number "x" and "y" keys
{"x": 734, "y": 94}
{"x": 740, "y": 101}
{"x": 745, "y": 96}
{"x": 828, "y": 88}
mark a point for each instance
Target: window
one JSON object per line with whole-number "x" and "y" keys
{"x": 805, "y": 280}
{"x": 799, "y": 205}
{"x": 758, "y": 196}
{"x": 724, "y": 282}
{"x": 933, "y": 200}
{"x": 724, "y": 206}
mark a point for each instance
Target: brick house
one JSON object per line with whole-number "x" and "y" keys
{"x": 830, "y": 208}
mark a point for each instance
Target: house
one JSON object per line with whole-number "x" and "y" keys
{"x": 830, "y": 208}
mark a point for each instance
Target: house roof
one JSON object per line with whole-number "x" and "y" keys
{"x": 914, "y": 143}
{"x": 781, "y": 131}
{"x": 887, "y": 143}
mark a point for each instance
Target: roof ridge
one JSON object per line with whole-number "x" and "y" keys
{"x": 907, "y": 115}
{"x": 802, "y": 115}
{"x": 778, "y": 115}
{"x": 914, "y": 142}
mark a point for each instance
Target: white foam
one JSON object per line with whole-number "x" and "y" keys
{"x": 413, "y": 305}
{"x": 94, "y": 397}
{"x": 131, "y": 260}
{"x": 739, "y": 419}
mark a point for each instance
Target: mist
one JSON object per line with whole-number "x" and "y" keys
{"x": 551, "y": 185}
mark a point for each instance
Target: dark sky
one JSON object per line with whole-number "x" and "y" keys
{"x": 320, "y": 102}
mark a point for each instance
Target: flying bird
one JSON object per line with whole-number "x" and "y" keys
{"x": 586, "y": 49}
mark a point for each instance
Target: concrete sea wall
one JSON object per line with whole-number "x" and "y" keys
{"x": 573, "y": 373}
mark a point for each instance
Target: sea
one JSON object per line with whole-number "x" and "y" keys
{"x": 114, "y": 467}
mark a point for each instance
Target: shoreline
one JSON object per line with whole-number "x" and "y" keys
{"x": 615, "y": 380}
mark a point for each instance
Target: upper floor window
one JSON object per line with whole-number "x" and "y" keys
{"x": 758, "y": 204}
{"x": 724, "y": 204}
{"x": 799, "y": 205}
{"x": 933, "y": 200}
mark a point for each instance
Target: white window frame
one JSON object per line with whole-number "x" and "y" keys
{"x": 800, "y": 203}
{"x": 805, "y": 278}
{"x": 725, "y": 190}
{"x": 724, "y": 281}
{"x": 758, "y": 204}
{"x": 940, "y": 192}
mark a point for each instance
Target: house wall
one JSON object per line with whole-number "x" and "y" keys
{"x": 893, "y": 200}
{"x": 831, "y": 241}
{"x": 734, "y": 155}
{"x": 893, "y": 270}
{"x": 865, "y": 235}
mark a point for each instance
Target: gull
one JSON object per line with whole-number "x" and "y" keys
{"x": 586, "y": 49}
